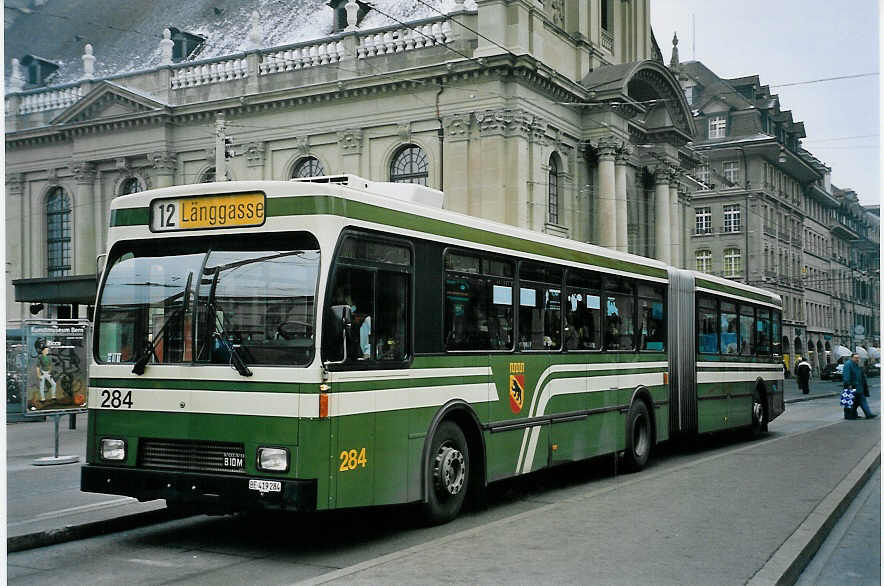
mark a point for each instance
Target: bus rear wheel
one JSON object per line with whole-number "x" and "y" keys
{"x": 448, "y": 473}
{"x": 638, "y": 436}
{"x": 759, "y": 415}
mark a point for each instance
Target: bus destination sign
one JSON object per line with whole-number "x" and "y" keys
{"x": 233, "y": 210}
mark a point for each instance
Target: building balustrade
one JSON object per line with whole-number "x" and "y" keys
{"x": 231, "y": 68}
{"x": 607, "y": 40}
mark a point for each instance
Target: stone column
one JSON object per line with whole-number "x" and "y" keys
{"x": 456, "y": 169}
{"x": 83, "y": 221}
{"x": 661, "y": 213}
{"x": 620, "y": 165}
{"x": 675, "y": 217}
{"x": 164, "y": 166}
{"x": 493, "y": 178}
{"x": 607, "y": 203}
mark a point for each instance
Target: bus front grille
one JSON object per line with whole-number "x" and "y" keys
{"x": 192, "y": 456}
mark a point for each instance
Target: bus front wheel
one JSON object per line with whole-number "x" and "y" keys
{"x": 448, "y": 473}
{"x": 638, "y": 436}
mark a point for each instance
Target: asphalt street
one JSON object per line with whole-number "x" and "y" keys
{"x": 562, "y": 534}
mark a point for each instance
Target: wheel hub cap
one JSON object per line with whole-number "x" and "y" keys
{"x": 449, "y": 471}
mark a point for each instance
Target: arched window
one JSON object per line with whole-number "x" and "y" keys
{"x": 704, "y": 260}
{"x": 58, "y": 233}
{"x": 130, "y": 185}
{"x": 410, "y": 165}
{"x": 307, "y": 167}
{"x": 733, "y": 262}
{"x": 553, "y": 190}
{"x": 208, "y": 175}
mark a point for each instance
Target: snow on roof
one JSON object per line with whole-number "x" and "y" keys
{"x": 126, "y": 36}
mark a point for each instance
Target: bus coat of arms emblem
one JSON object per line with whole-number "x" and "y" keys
{"x": 517, "y": 392}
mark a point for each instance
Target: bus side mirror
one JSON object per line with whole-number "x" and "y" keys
{"x": 340, "y": 320}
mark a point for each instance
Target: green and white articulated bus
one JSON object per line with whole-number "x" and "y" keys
{"x": 335, "y": 342}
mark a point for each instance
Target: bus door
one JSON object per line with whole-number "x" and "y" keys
{"x": 370, "y": 385}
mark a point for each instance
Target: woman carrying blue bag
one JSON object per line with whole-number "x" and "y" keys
{"x": 854, "y": 393}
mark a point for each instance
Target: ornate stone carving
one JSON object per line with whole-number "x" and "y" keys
{"x": 84, "y": 172}
{"x": 52, "y": 175}
{"x": 404, "y": 132}
{"x": 121, "y": 164}
{"x": 167, "y": 162}
{"x": 624, "y": 153}
{"x": 509, "y": 122}
{"x": 607, "y": 147}
{"x": 457, "y": 126}
{"x": 557, "y": 12}
{"x": 255, "y": 154}
{"x": 302, "y": 145}
{"x": 350, "y": 141}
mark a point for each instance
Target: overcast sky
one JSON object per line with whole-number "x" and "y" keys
{"x": 788, "y": 41}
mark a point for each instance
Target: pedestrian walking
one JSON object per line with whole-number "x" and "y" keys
{"x": 802, "y": 371}
{"x": 855, "y": 380}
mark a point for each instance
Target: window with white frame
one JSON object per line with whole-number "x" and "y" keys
{"x": 731, "y": 218}
{"x": 703, "y": 220}
{"x": 731, "y": 171}
{"x": 718, "y": 126}
{"x": 702, "y": 173}
{"x": 733, "y": 262}
{"x": 410, "y": 165}
{"x": 704, "y": 260}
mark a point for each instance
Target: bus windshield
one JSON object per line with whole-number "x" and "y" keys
{"x": 201, "y": 301}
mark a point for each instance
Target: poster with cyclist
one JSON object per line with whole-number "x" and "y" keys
{"x": 57, "y": 377}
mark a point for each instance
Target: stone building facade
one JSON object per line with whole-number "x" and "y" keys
{"x": 556, "y": 116}
{"x": 768, "y": 215}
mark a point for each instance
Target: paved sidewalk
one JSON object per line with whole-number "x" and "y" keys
{"x": 45, "y": 505}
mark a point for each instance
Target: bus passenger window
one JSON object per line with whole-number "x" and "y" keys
{"x": 583, "y": 314}
{"x": 728, "y": 328}
{"x": 762, "y": 332}
{"x": 478, "y": 303}
{"x": 619, "y": 314}
{"x": 653, "y": 323}
{"x": 776, "y": 343}
{"x": 707, "y": 332}
{"x": 540, "y": 307}
{"x": 747, "y": 328}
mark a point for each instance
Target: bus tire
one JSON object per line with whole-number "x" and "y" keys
{"x": 638, "y": 436}
{"x": 448, "y": 473}
{"x": 759, "y": 414}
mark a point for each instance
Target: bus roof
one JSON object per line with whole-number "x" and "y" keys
{"x": 416, "y": 208}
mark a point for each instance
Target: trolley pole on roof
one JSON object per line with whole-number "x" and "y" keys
{"x": 220, "y": 149}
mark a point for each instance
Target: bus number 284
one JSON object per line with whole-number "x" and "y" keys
{"x": 116, "y": 399}
{"x": 351, "y": 459}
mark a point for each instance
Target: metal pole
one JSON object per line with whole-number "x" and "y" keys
{"x": 220, "y": 158}
{"x": 57, "y": 421}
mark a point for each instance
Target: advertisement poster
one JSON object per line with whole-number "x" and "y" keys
{"x": 57, "y": 379}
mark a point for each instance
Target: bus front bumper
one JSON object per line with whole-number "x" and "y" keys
{"x": 215, "y": 492}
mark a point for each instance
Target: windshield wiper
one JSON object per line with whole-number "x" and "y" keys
{"x": 236, "y": 360}
{"x": 150, "y": 347}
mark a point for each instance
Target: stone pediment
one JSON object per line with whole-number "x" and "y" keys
{"x": 108, "y": 101}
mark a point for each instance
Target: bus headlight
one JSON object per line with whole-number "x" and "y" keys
{"x": 113, "y": 449}
{"x": 273, "y": 459}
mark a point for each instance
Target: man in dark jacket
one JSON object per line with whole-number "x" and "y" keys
{"x": 854, "y": 378}
{"x": 803, "y": 373}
